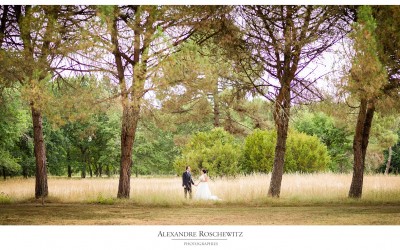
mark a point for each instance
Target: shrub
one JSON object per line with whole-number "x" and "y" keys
{"x": 304, "y": 153}
{"x": 216, "y": 150}
{"x": 259, "y": 151}
{"x": 337, "y": 139}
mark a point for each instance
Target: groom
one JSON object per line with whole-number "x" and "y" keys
{"x": 187, "y": 182}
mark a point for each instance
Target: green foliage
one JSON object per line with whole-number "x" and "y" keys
{"x": 367, "y": 74}
{"x": 55, "y": 150}
{"x": 216, "y": 150}
{"x": 198, "y": 84}
{"x": 337, "y": 139}
{"x": 23, "y": 151}
{"x": 383, "y": 135}
{"x": 9, "y": 164}
{"x": 59, "y": 102}
{"x": 384, "y": 131}
{"x": 104, "y": 144}
{"x": 304, "y": 153}
{"x": 183, "y": 89}
{"x": 13, "y": 118}
{"x": 154, "y": 150}
{"x": 81, "y": 134}
{"x": 13, "y": 125}
{"x": 4, "y": 198}
{"x": 92, "y": 145}
{"x": 395, "y": 161}
{"x": 105, "y": 11}
{"x": 259, "y": 151}
{"x": 100, "y": 199}
{"x": 388, "y": 38}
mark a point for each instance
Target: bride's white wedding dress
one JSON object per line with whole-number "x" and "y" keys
{"x": 203, "y": 191}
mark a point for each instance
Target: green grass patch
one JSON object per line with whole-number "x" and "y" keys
{"x": 101, "y": 199}
{"x": 5, "y": 198}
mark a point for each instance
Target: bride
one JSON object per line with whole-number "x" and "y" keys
{"x": 203, "y": 191}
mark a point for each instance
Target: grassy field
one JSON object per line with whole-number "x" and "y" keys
{"x": 305, "y": 199}
{"x": 206, "y": 214}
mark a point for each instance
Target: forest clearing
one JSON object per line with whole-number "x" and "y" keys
{"x": 290, "y": 114}
{"x": 307, "y": 199}
{"x": 178, "y": 119}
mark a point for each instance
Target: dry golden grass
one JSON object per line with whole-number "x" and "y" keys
{"x": 306, "y": 199}
{"x": 312, "y": 188}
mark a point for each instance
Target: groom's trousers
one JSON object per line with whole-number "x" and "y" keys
{"x": 188, "y": 190}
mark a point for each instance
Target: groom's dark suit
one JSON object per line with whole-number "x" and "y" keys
{"x": 187, "y": 183}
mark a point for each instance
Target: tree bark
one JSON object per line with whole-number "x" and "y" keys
{"x": 3, "y": 26}
{"x": 83, "y": 159}
{"x": 41, "y": 188}
{"x": 388, "y": 161}
{"x": 367, "y": 126}
{"x": 360, "y": 144}
{"x": 96, "y": 169}
{"x": 279, "y": 162}
{"x": 129, "y": 124}
{"x": 25, "y": 172}
{"x": 99, "y": 169}
{"x": 4, "y": 173}
{"x": 281, "y": 117}
{"x": 130, "y": 97}
{"x": 286, "y": 73}
{"x": 69, "y": 171}
{"x": 108, "y": 172}
{"x": 69, "y": 164}
{"x": 90, "y": 169}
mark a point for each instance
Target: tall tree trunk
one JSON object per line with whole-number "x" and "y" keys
{"x": 360, "y": 144}
{"x": 130, "y": 96}
{"x": 281, "y": 117}
{"x": 90, "y": 168}
{"x": 41, "y": 188}
{"x": 358, "y": 167}
{"x": 388, "y": 161}
{"x": 69, "y": 164}
{"x": 367, "y": 126}
{"x": 25, "y": 172}
{"x": 279, "y": 162}
{"x": 100, "y": 167}
{"x": 69, "y": 170}
{"x": 3, "y": 25}
{"x": 108, "y": 171}
{"x": 127, "y": 128}
{"x": 129, "y": 123}
{"x": 96, "y": 169}
{"x": 287, "y": 71}
{"x": 4, "y": 173}
{"x": 83, "y": 162}
{"x": 88, "y": 164}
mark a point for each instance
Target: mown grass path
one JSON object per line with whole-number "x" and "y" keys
{"x": 208, "y": 214}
